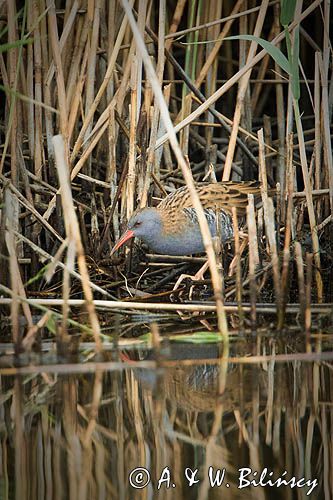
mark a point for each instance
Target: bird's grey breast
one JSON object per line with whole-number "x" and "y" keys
{"x": 185, "y": 237}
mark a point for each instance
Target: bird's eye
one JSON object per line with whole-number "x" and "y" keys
{"x": 137, "y": 224}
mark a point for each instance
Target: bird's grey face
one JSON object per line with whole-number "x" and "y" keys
{"x": 145, "y": 223}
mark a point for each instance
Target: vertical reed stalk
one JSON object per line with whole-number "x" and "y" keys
{"x": 301, "y": 283}
{"x": 73, "y": 232}
{"x": 56, "y": 52}
{"x": 307, "y": 189}
{"x": 238, "y": 268}
{"x": 318, "y": 141}
{"x": 308, "y": 290}
{"x": 131, "y": 175}
{"x": 253, "y": 258}
{"x": 93, "y": 12}
{"x": 270, "y": 225}
{"x": 288, "y": 232}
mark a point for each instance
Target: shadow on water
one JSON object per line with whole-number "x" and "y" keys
{"x": 181, "y": 413}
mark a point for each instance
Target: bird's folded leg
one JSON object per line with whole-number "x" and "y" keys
{"x": 199, "y": 276}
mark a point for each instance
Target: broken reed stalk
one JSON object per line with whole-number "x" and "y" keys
{"x": 307, "y": 189}
{"x": 308, "y": 290}
{"x": 325, "y": 106}
{"x": 271, "y": 236}
{"x": 269, "y": 218}
{"x": 132, "y": 164}
{"x": 253, "y": 257}
{"x": 288, "y": 231}
{"x": 206, "y": 236}
{"x": 238, "y": 268}
{"x": 301, "y": 282}
{"x": 73, "y": 234}
{"x": 318, "y": 138}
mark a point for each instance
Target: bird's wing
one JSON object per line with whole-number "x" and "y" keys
{"x": 223, "y": 195}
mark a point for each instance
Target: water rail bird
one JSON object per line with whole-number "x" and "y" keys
{"x": 172, "y": 227}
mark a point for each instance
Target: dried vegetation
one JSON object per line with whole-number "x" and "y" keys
{"x": 98, "y": 90}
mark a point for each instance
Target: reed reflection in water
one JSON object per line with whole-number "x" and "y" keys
{"x": 80, "y": 436}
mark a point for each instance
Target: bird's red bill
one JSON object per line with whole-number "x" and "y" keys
{"x": 125, "y": 237}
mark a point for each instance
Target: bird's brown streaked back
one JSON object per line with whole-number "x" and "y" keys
{"x": 219, "y": 195}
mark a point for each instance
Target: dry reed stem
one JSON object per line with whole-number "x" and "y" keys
{"x": 79, "y": 165}
{"x": 307, "y": 189}
{"x": 318, "y": 139}
{"x": 131, "y": 174}
{"x": 280, "y": 112}
{"x": 238, "y": 267}
{"x": 9, "y": 220}
{"x": 288, "y": 232}
{"x": 308, "y": 289}
{"x": 175, "y": 23}
{"x": 77, "y": 94}
{"x": 211, "y": 81}
{"x": 269, "y": 219}
{"x": 98, "y": 130}
{"x": 326, "y": 126}
{"x": 243, "y": 85}
{"x": 108, "y": 75}
{"x": 15, "y": 273}
{"x": 37, "y": 151}
{"x": 111, "y": 174}
{"x": 13, "y": 72}
{"x": 207, "y": 240}
{"x": 301, "y": 282}
{"x": 29, "y": 109}
{"x": 122, "y": 305}
{"x": 93, "y": 12}
{"x": 24, "y": 202}
{"x": 73, "y": 232}
{"x": 54, "y": 39}
{"x": 214, "y": 23}
{"x": 253, "y": 257}
{"x": 151, "y": 160}
{"x": 234, "y": 79}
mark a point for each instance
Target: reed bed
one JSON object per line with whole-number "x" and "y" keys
{"x": 110, "y": 105}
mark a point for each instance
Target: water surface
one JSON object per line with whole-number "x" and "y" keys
{"x": 178, "y": 415}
